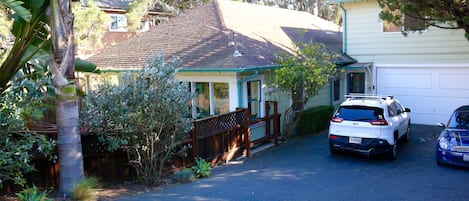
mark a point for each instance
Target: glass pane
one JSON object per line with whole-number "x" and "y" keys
{"x": 360, "y": 113}
{"x": 356, "y": 83}
{"x": 202, "y": 99}
{"x": 337, "y": 89}
{"x": 254, "y": 97}
{"x": 221, "y": 98}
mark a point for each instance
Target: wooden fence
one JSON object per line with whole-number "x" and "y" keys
{"x": 216, "y": 139}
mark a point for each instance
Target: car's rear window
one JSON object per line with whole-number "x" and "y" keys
{"x": 359, "y": 113}
{"x": 459, "y": 120}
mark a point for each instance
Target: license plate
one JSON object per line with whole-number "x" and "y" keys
{"x": 465, "y": 157}
{"x": 357, "y": 140}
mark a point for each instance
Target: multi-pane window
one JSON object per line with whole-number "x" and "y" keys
{"x": 409, "y": 23}
{"x": 211, "y": 99}
{"x": 118, "y": 23}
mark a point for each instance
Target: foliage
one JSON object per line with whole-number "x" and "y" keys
{"x": 139, "y": 9}
{"x": 303, "y": 75}
{"x": 91, "y": 26}
{"x": 22, "y": 104}
{"x": 30, "y": 37}
{"x": 442, "y": 14}
{"x": 315, "y": 119}
{"x": 202, "y": 168}
{"x": 146, "y": 114}
{"x": 86, "y": 190}
{"x": 185, "y": 175}
{"x": 32, "y": 194}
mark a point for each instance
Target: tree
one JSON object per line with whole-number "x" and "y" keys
{"x": 303, "y": 75}
{"x": 446, "y": 14}
{"x": 147, "y": 115}
{"x": 91, "y": 27}
{"x": 62, "y": 65}
{"x": 140, "y": 8}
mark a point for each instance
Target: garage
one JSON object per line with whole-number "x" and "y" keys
{"x": 432, "y": 93}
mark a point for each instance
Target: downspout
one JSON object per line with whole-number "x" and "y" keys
{"x": 240, "y": 86}
{"x": 344, "y": 34}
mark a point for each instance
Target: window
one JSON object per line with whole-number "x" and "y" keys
{"x": 356, "y": 83}
{"x": 118, "y": 23}
{"x": 221, "y": 98}
{"x": 409, "y": 23}
{"x": 336, "y": 85}
{"x": 211, "y": 99}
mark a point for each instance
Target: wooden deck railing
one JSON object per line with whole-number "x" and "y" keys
{"x": 216, "y": 139}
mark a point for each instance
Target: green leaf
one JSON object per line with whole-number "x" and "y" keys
{"x": 37, "y": 3}
{"x": 85, "y": 66}
{"x": 18, "y": 8}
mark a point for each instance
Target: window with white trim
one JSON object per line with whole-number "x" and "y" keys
{"x": 118, "y": 22}
{"x": 408, "y": 24}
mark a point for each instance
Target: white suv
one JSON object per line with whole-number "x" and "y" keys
{"x": 369, "y": 124}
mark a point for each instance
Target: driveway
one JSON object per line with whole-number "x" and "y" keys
{"x": 303, "y": 169}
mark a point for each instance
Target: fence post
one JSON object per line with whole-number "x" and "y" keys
{"x": 268, "y": 117}
{"x": 195, "y": 147}
{"x": 276, "y": 123}
{"x": 247, "y": 133}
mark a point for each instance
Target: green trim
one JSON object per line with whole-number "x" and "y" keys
{"x": 205, "y": 70}
{"x": 234, "y": 70}
{"x": 240, "y": 87}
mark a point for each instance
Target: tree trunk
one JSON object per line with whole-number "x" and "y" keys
{"x": 70, "y": 150}
{"x": 62, "y": 65}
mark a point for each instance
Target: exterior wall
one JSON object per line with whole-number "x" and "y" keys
{"x": 367, "y": 43}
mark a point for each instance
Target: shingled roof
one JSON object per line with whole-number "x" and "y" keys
{"x": 114, "y": 4}
{"x": 207, "y": 36}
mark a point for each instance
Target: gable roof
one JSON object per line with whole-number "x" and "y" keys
{"x": 207, "y": 37}
{"x": 113, "y": 4}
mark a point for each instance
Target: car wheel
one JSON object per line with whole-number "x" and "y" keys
{"x": 333, "y": 150}
{"x": 391, "y": 154}
{"x": 407, "y": 134}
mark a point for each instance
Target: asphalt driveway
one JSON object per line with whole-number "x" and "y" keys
{"x": 303, "y": 169}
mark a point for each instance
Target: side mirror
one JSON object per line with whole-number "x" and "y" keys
{"x": 442, "y": 125}
{"x": 407, "y": 110}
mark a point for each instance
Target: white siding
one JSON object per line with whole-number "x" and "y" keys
{"x": 367, "y": 43}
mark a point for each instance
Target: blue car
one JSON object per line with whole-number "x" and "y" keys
{"x": 452, "y": 147}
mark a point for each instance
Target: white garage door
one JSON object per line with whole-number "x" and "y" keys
{"x": 431, "y": 93}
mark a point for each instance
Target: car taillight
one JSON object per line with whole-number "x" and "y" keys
{"x": 333, "y": 136}
{"x": 379, "y": 122}
{"x": 337, "y": 119}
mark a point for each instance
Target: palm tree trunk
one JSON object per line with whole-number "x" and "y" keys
{"x": 62, "y": 65}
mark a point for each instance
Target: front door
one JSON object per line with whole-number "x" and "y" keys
{"x": 254, "y": 98}
{"x": 356, "y": 82}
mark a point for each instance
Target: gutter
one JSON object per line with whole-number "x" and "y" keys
{"x": 344, "y": 34}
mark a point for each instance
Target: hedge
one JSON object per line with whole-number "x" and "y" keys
{"x": 315, "y": 119}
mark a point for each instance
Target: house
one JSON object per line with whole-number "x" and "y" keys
{"x": 428, "y": 71}
{"x": 228, "y": 51}
{"x": 117, "y": 30}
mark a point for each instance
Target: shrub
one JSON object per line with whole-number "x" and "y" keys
{"x": 315, "y": 119}
{"x": 185, "y": 175}
{"x": 86, "y": 190}
{"x": 202, "y": 168}
{"x": 32, "y": 194}
{"x": 150, "y": 111}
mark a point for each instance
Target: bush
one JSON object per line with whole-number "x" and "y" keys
{"x": 86, "y": 190}
{"x": 150, "y": 110}
{"x": 202, "y": 168}
{"x": 32, "y": 194}
{"x": 315, "y": 119}
{"x": 185, "y": 175}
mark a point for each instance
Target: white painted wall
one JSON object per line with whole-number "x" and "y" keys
{"x": 367, "y": 43}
